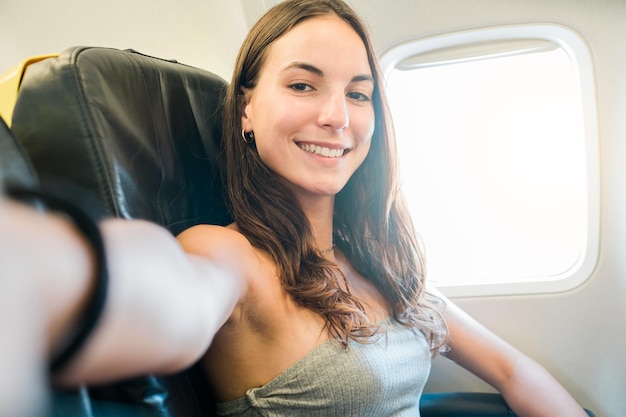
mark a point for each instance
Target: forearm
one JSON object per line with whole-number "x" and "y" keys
{"x": 21, "y": 358}
{"x": 527, "y": 387}
{"x": 51, "y": 263}
{"x": 34, "y": 258}
{"x": 531, "y": 391}
{"x": 163, "y": 306}
{"x": 162, "y": 309}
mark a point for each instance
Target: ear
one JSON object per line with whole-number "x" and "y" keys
{"x": 246, "y": 110}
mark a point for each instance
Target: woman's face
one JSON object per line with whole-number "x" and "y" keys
{"x": 311, "y": 110}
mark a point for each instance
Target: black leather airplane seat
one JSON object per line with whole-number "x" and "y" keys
{"x": 143, "y": 135}
{"x": 15, "y": 168}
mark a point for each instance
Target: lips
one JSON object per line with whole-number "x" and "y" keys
{"x": 322, "y": 151}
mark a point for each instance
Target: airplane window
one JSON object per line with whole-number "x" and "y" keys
{"x": 498, "y": 152}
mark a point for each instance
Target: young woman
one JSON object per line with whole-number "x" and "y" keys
{"x": 335, "y": 318}
{"x": 313, "y": 301}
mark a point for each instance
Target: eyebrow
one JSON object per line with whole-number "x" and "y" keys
{"x": 314, "y": 70}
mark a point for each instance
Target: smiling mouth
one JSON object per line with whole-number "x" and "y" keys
{"x": 322, "y": 151}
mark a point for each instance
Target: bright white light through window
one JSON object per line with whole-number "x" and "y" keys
{"x": 494, "y": 162}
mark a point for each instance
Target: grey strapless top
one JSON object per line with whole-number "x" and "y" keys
{"x": 382, "y": 378}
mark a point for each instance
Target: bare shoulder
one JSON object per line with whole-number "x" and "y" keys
{"x": 199, "y": 236}
{"x": 222, "y": 245}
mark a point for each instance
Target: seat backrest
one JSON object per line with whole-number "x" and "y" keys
{"x": 15, "y": 168}
{"x": 142, "y": 134}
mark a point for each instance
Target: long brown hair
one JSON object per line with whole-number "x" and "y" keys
{"x": 371, "y": 223}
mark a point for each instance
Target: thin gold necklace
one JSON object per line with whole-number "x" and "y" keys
{"x": 323, "y": 251}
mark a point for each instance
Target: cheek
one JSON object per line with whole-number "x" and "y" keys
{"x": 279, "y": 125}
{"x": 277, "y": 114}
{"x": 274, "y": 127}
{"x": 273, "y": 133}
{"x": 364, "y": 128}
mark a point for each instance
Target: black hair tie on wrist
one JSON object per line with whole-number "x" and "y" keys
{"x": 87, "y": 226}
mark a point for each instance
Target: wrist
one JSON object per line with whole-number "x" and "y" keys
{"x": 67, "y": 253}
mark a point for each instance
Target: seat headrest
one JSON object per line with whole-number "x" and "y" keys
{"x": 141, "y": 132}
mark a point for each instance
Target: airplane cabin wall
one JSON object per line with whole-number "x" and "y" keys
{"x": 201, "y": 33}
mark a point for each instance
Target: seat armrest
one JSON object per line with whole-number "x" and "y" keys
{"x": 463, "y": 404}
{"x": 466, "y": 404}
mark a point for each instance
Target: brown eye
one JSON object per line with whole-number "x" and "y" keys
{"x": 301, "y": 87}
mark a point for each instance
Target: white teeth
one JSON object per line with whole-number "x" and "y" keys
{"x": 327, "y": 152}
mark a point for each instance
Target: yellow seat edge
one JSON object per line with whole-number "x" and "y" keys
{"x": 10, "y": 81}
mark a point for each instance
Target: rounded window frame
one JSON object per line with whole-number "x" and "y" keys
{"x": 439, "y": 47}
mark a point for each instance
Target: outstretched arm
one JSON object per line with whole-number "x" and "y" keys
{"x": 163, "y": 305}
{"x": 526, "y": 386}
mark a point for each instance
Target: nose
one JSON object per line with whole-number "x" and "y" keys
{"x": 334, "y": 112}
